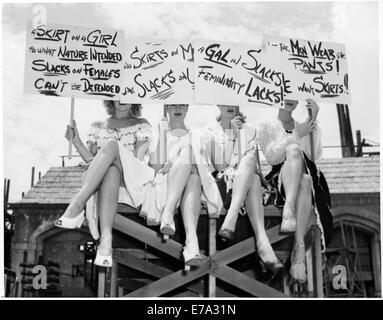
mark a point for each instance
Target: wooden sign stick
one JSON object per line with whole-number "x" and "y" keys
{"x": 311, "y": 139}
{"x": 71, "y": 123}
{"x": 165, "y": 138}
{"x": 239, "y": 141}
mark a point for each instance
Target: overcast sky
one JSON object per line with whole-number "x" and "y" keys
{"x": 34, "y": 126}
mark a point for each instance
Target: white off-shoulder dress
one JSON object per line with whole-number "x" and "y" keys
{"x": 137, "y": 175}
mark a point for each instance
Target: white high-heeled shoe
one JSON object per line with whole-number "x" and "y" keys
{"x": 70, "y": 223}
{"x": 289, "y": 222}
{"x": 103, "y": 260}
{"x": 192, "y": 258}
{"x": 104, "y": 253}
{"x": 298, "y": 265}
{"x": 168, "y": 229}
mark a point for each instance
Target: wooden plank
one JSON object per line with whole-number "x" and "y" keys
{"x": 158, "y": 271}
{"x": 212, "y": 251}
{"x": 148, "y": 236}
{"x": 250, "y": 285}
{"x": 138, "y": 253}
{"x": 170, "y": 282}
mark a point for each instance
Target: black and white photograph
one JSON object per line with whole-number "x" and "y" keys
{"x": 191, "y": 150}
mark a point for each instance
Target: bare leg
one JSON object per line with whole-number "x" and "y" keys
{"x": 106, "y": 157}
{"x": 255, "y": 212}
{"x": 298, "y": 268}
{"x": 292, "y": 172}
{"x": 241, "y": 184}
{"x": 108, "y": 194}
{"x": 190, "y": 210}
{"x": 303, "y": 207}
{"x": 177, "y": 178}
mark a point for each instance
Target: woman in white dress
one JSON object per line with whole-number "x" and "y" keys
{"x": 106, "y": 187}
{"x": 184, "y": 185}
{"x": 234, "y": 162}
{"x": 286, "y": 146}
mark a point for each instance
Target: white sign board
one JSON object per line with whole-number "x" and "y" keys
{"x": 317, "y": 70}
{"x": 159, "y": 71}
{"x": 71, "y": 61}
{"x": 236, "y": 74}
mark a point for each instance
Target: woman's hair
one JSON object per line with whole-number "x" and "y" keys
{"x": 240, "y": 114}
{"x": 111, "y": 108}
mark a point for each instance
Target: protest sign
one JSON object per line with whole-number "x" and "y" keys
{"x": 159, "y": 71}
{"x": 236, "y": 74}
{"x": 317, "y": 70}
{"x": 71, "y": 61}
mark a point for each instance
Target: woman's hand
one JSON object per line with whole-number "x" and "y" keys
{"x": 303, "y": 129}
{"x": 166, "y": 168}
{"x": 72, "y": 133}
{"x": 236, "y": 124}
{"x": 313, "y": 106}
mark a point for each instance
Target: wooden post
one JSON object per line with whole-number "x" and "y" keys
{"x": 101, "y": 282}
{"x": 113, "y": 279}
{"x": 212, "y": 249}
{"x": 7, "y": 191}
{"x": 71, "y": 123}
{"x": 359, "y": 146}
{"x": 310, "y": 275}
{"x": 239, "y": 140}
{"x": 316, "y": 240}
{"x": 375, "y": 254}
{"x": 165, "y": 140}
{"x": 33, "y": 177}
{"x": 317, "y": 262}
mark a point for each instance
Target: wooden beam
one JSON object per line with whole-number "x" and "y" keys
{"x": 148, "y": 236}
{"x": 138, "y": 253}
{"x": 174, "y": 249}
{"x": 158, "y": 271}
{"x": 173, "y": 281}
{"x": 250, "y": 285}
{"x": 212, "y": 251}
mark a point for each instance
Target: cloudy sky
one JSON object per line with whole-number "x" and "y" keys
{"x": 34, "y": 126}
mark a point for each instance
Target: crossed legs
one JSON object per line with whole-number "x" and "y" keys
{"x": 106, "y": 158}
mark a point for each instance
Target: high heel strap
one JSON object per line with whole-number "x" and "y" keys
{"x": 70, "y": 223}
